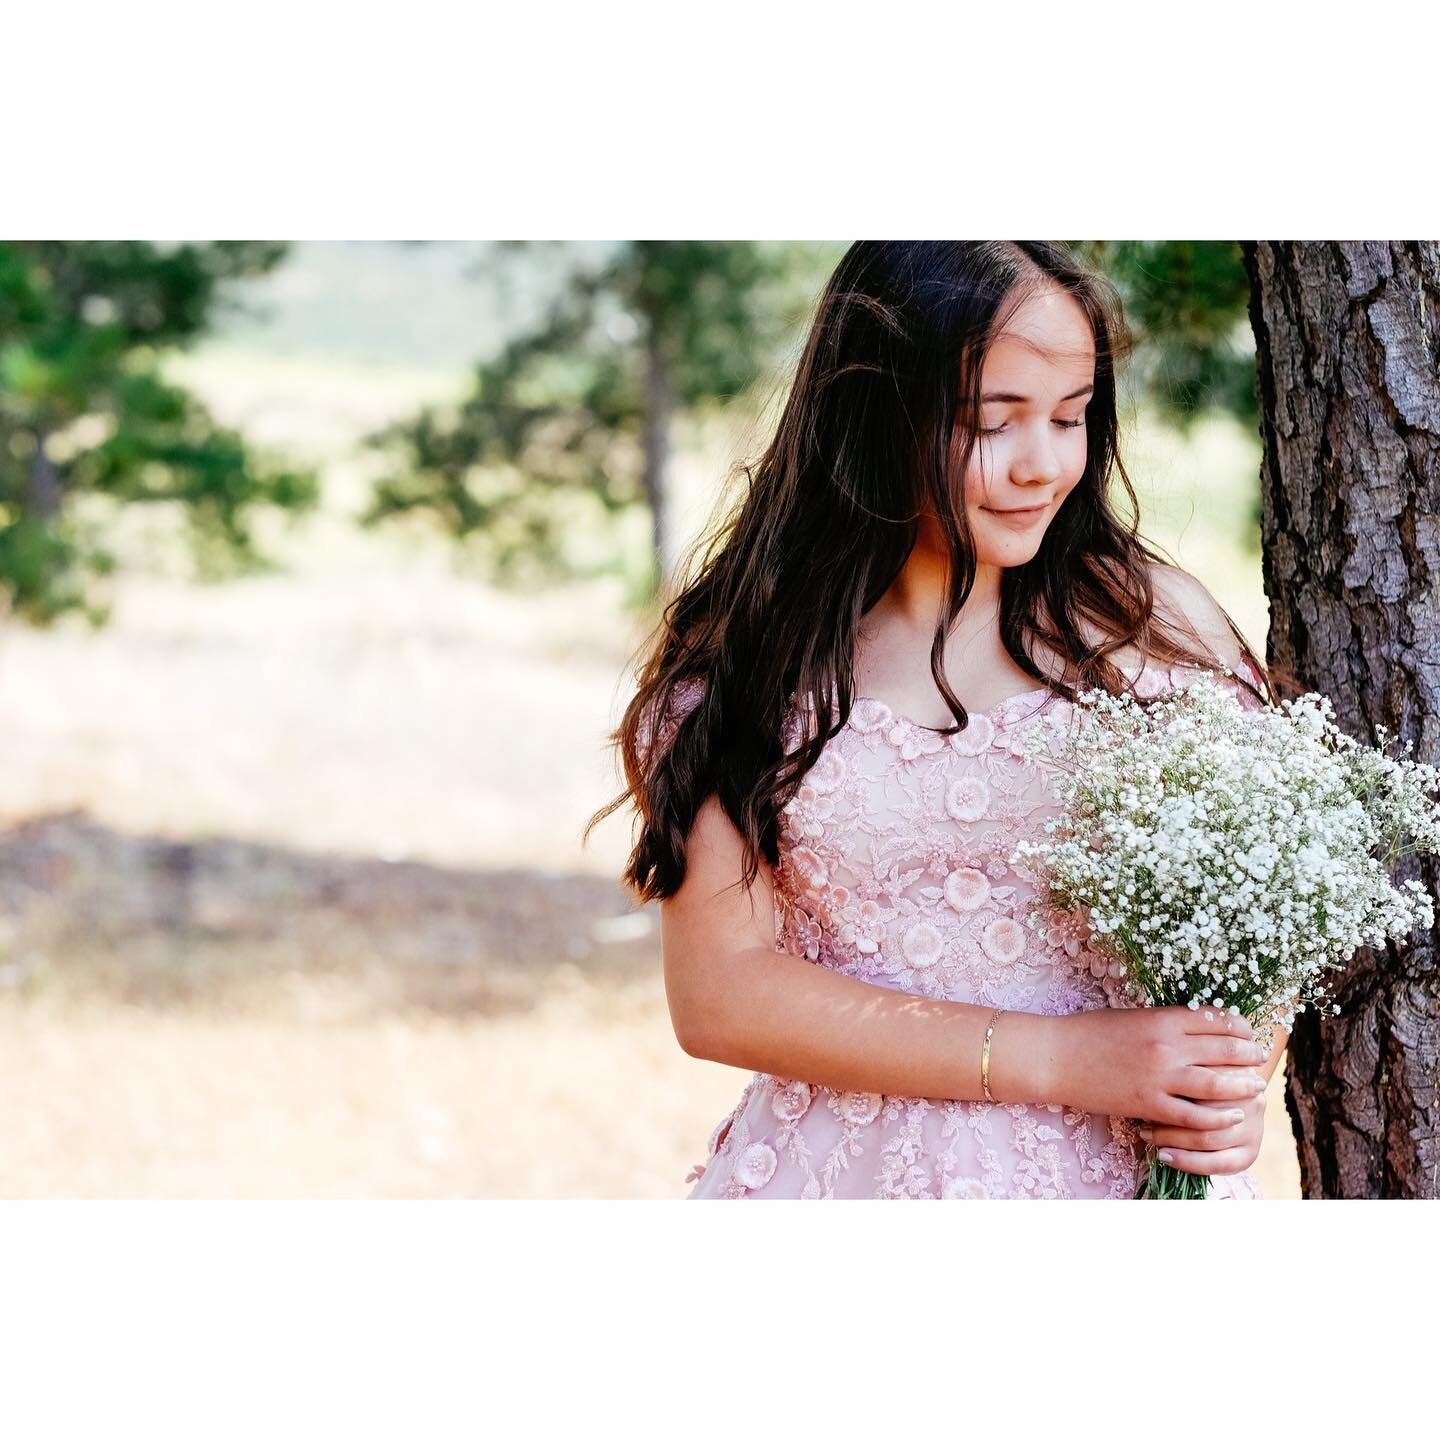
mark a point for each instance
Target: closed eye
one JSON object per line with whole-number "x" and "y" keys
{"x": 1063, "y": 424}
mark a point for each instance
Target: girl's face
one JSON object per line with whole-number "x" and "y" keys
{"x": 1035, "y": 382}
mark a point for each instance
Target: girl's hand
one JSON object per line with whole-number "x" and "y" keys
{"x": 1185, "y": 1070}
{"x": 1226, "y": 1151}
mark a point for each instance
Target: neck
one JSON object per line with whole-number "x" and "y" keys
{"x": 915, "y": 595}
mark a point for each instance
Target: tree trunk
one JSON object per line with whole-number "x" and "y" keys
{"x": 659, "y": 417}
{"x": 1348, "y": 349}
{"x": 43, "y": 493}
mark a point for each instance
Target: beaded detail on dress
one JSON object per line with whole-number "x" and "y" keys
{"x": 893, "y": 868}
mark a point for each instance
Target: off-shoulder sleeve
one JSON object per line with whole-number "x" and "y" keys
{"x": 1246, "y": 699}
{"x": 1182, "y": 676}
{"x": 685, "y": 697}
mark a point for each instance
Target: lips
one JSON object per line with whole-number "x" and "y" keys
{"x": 1019, "y": 517}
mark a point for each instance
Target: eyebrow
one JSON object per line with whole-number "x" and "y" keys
{"x": 1004, "y": 397}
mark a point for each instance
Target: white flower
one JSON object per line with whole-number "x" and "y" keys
{"x": 967, "y": 798}
{"x": 966, "y": 889}
{"x": 790, "y": 1101}
{"x": 962, "y": 1187}
{"x": 857, "y": 1107}
{"x": 1003, "y": 941}
{"x": 755, "y": 1165}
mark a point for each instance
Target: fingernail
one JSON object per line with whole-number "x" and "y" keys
{"x": 1146, "y": 1135}
{"x": 1237, "y": 1116}
{"x": 1260, "y": 1086}
{"x": 1165, "y": 1156}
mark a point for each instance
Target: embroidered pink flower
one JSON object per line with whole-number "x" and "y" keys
{"x": 976, "y": 736}
{"x": 812, "y": 805}
{"x": 868, "y": 716}
{"x": 1060, "y": 935}
{"x": 868, "y": 929}
{"x": 839, "y": 895}
{"x": 808, "y": 932}
{"x": 856, "y": 1107}
{"x": 828, "y": 773}
{"x": 967, "y": 798}
{"x": 755, "y": 1165}
{"x": 1003, "y": 941}
{"x": 809, "y": 867}
{"x": 962, "y": 1187}
{"x": 913, "y": 742}
{"x": 922, "y": 945}
{"x": 718, "y": 1133}
{"x": 805, "y": 814}
{"x": 966, "y": 889}
{"x": 790, "y": 1101}
{"x": 1099, "y": 965}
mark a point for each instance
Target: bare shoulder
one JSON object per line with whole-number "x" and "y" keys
{"x": 1184, "y": 601}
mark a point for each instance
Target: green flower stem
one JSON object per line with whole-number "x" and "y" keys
{"x": 1163, "y": 1182}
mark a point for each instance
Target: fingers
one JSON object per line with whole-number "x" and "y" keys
{"x": 1211, "y": 1020}
{"x": 1219, "y": 1082}
{"x": 1224, "y": 1050}
{"x": 1209, "y": 1162}
{"x": 1187, "y": 1115}
{"x": 1190, "y": 1141}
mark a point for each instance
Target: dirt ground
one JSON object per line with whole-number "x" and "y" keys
{"x": 292, "y": 903}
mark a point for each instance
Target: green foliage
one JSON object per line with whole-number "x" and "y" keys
{"x": 84, "y": 410}
{"x": 560, "y": 410}
{"x": 1187, "y": 302}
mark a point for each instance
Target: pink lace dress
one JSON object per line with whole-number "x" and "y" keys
{"x": 894, "y": 869}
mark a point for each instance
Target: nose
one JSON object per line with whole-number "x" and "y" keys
{"x": 1035, "y": 461}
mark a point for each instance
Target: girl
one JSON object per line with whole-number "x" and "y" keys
{"x": 823, "y": 751}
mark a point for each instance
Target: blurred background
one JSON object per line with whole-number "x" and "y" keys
{"x": 320, "y": 566}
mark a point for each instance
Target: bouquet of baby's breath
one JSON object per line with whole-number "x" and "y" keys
{"x": 1228, "y": 856}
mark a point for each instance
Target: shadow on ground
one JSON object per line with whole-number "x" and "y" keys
{"x": 87, "y": 912}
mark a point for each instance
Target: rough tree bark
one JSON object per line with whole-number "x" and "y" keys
{"x": 1348, "y": 348}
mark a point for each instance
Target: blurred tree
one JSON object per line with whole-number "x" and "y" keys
{"x": 1348, "y": 341}
{"x": 85, "y": 410}
{"x": 1186, "y": 301}
{"x": 586, "y": 400}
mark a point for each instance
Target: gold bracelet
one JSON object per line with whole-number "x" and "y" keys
{"x": 985, "y": 1056}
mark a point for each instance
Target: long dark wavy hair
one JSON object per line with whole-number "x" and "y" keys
{"x": 877, "y": 429}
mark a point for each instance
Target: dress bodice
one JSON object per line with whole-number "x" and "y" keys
{"x": 894, "y": 869}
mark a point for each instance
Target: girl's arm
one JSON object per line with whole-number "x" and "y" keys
{"x": 735, "y": 999}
